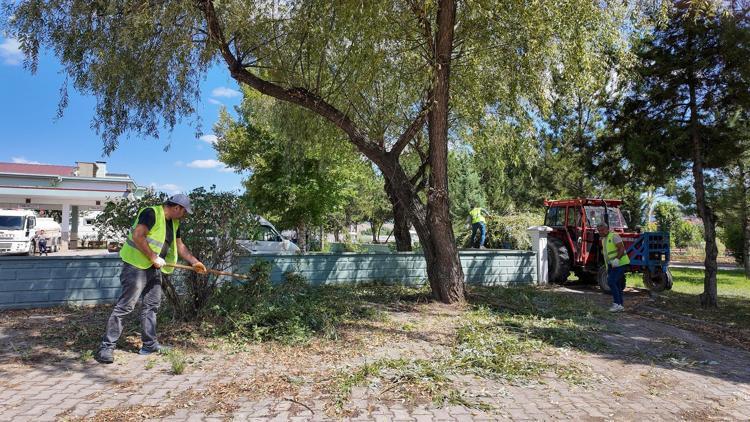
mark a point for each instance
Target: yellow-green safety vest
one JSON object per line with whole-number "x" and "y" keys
{"x": 611, "y": 248}
{"x": 155, "y": 238}
{"x": 476, "y": 215}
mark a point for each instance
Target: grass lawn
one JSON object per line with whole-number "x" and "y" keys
{"x": 733, "y": 289}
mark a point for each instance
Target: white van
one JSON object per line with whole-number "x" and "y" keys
{"x": 17, "y": 232}
{"x": 267, "y": 240}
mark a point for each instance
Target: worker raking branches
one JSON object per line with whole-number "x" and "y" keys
{"x": 153, "y": 243}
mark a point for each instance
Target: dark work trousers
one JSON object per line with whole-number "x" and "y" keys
{"x": 482, "y": 228}
{"x": 136, "y": 283}
{"x": 614, "y": 277}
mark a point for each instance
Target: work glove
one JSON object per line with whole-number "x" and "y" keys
{"x": 200, "y": 268}
{"x": 159, "y": 262}
{"x": 614, "y": 263}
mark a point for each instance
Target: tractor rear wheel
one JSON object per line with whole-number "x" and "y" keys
{"x": 657, "y": 281}
{"x": 558, "y": 261}
{"x": 601, "y": 279}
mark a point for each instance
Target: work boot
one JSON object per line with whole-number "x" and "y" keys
{"x": 105, "y": 355}
{"x": 616, "y": 308}
{"x": 154, "y": 349}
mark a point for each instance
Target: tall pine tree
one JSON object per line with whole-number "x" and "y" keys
{"x": 692, "y": 85}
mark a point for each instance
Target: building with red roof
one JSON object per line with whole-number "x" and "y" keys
{"x": 69, "y": 189}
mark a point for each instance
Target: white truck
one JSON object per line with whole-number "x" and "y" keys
{"x": 87, "y": 231}
{"x": 17, "y": 232}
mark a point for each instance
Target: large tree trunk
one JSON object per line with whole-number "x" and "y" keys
{"x": 401, "y": 221}
{"x": 444, "y": 270}
{"x": 443, "y": 264}
{"x": 745, "y": 216}
{"x": 301, "y": 236}
{"x": 709, "y": 297}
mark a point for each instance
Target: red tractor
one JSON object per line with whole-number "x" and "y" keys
{"x": 574, "y": 243}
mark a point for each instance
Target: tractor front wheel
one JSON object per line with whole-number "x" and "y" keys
{"x": 658, "y": 280}
{"x": 558, "y": 260}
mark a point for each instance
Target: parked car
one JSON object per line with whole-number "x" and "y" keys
{"x": 265, "y": 239}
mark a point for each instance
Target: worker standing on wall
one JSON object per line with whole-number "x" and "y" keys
{"x": 478, "y": 223}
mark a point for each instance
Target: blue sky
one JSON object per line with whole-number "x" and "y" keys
{"x": 30, "y": 133}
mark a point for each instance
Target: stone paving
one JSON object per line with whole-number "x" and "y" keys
{"x": 652, "y": 371}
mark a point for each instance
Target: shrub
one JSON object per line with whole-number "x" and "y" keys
{"x": 290, "y": 312}
{"x": 685, "y": 234}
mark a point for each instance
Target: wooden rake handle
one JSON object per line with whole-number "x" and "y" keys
{"x": 217, "y": 272}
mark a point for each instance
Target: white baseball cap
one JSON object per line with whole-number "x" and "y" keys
{"x": 182, "y": 200}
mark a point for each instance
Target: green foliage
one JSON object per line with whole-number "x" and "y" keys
{"x": 731, "y": 188}
{"x": 116, "y": 221}
{"x": 464, "y": 185}
{"x": 734, "y": 238}
{"x": 86, "y": 356}
{"x": 370, "y": 202}
{"x": 650, "y": 128}
{"x": 685, "y": 234}
{"x": 669, "y": 219}
{"x": 177, "y": 361}
{"x": 506, "y": 158}
{"x": 302, "y": 171}
{"x": 505, "y": 231}
{"x": 211, "y": 232}
{"x": 290, "y": 312}
{"x": 633, "y": 205}
{"x": 667, "y": 215}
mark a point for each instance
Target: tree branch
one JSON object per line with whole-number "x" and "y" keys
{"x": 296, "y": 95}
{"x": 413, "y": 129}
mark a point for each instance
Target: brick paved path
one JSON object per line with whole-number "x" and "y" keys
{"x": 652, "y": 371}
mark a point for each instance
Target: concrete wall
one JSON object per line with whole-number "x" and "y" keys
{"x": 29, "y": 282}
{"x": 480, "y": 267}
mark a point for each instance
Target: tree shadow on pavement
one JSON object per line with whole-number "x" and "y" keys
{"x": 578, "y": 320}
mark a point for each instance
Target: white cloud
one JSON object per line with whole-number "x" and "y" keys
{"x": 23, "y": 160}
{"x": 169, "y": 188}
{"x": 225, "y": 92}
{"x": 215, "y": 102}
{"x": 210, "y": 164}
{"x": 179, "y": 163}
{"x": 211, "y": 139}
{"x": 205, "y": 164}
{"x": 10, "y": 52}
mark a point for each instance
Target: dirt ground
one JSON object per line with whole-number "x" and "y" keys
{"x": 648, "y": 369}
